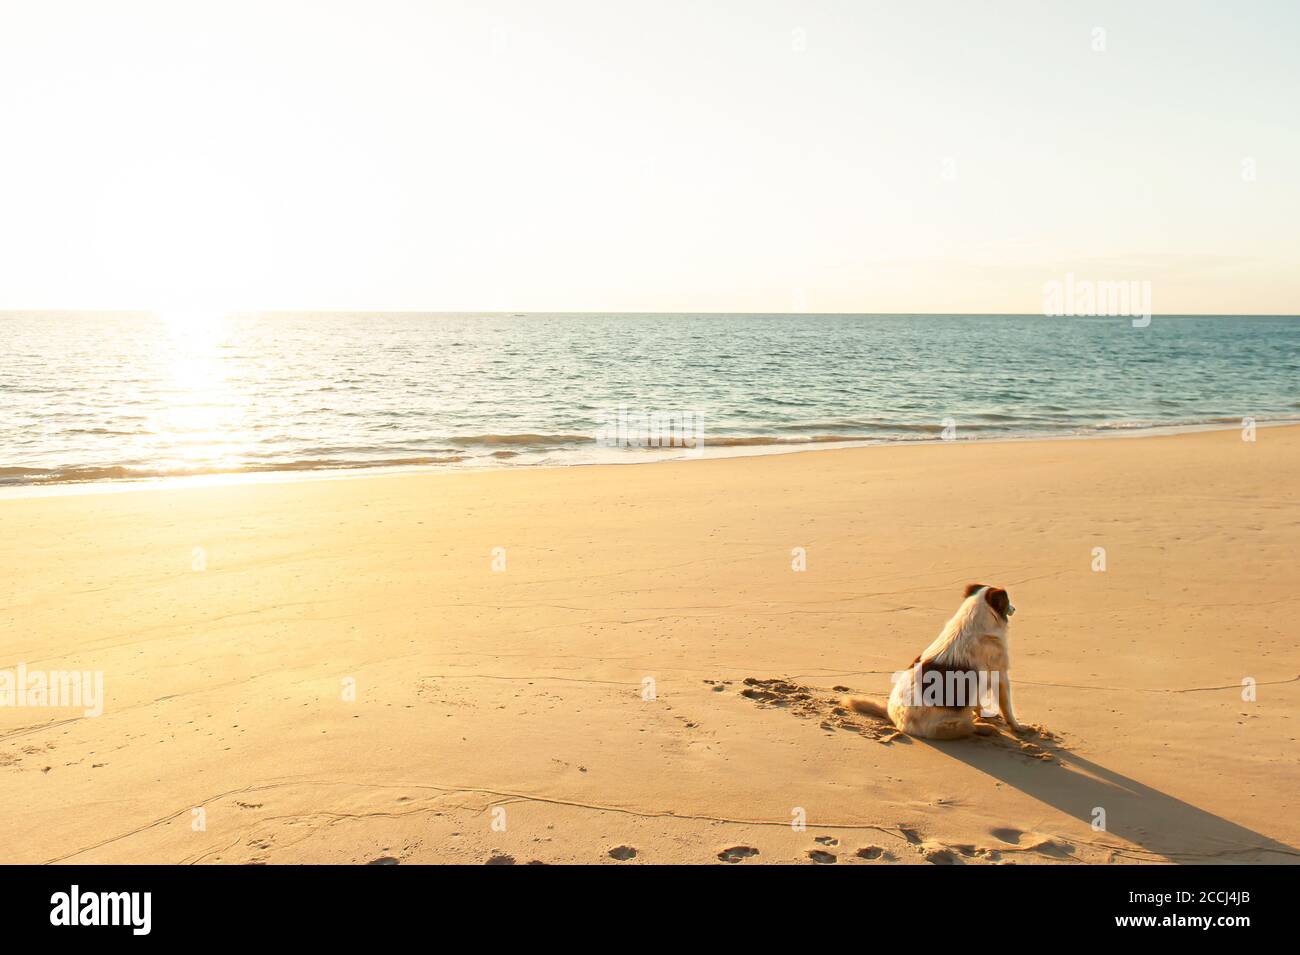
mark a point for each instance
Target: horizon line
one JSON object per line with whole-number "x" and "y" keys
{"x": 336, "y": 310}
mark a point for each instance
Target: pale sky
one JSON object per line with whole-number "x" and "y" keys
{"x": 753, "y": 155}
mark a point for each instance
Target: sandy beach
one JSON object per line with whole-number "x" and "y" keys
{"x": 351, "y": 671}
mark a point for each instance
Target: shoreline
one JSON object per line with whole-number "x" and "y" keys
{"x": 776, "y": 447}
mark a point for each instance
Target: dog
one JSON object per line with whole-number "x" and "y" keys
{"x": 940, "y": 695}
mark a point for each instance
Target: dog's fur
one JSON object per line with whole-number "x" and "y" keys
{"x": 974, "y": 639}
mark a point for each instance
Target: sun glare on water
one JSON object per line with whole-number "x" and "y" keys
{"x": 199, "y": 426}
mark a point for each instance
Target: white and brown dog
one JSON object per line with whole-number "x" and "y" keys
{"x": 940, "y": 695}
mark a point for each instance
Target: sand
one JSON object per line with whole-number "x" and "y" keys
{"x": 342, "y": 675}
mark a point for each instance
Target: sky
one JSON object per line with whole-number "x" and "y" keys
{"x": 670, "y": 156}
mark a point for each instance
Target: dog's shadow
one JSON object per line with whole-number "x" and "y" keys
{"x": 1159, "y": 823}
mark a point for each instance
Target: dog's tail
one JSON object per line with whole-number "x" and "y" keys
{"x": 868, "y": 707}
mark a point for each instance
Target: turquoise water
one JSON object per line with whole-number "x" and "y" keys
{"x": 97, "y": 397}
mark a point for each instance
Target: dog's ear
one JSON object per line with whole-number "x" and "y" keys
{"x": 971, "y": 588}
{"x": 999, "y": 600}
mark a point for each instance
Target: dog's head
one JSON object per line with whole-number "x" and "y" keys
{"x": 995, "y": 597}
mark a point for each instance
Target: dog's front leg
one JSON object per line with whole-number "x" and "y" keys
{"x": 1004, "y": 702}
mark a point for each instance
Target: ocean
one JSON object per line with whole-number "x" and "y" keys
{"x": 113, "y": 397}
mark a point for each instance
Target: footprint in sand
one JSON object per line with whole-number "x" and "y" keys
{"x": 1036, "y": 751}
{"x": 622, "y": 853}
{"x": 1032, "y": 842}
{"x": 821, "y": 858}
{"x": 1051, "y": 847}
{"x": 737, "y": 853}
{"x": 777, "y": 691}
{"x": 875, "y": 852}
{"x": 939, "y": 855}
{"x": 809, "y": 703}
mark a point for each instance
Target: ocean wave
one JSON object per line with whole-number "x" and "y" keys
{"x": 117, "y": 472}
{"x": 562, "y": 448}
{"x": 539, "y": 440}
{"x": 758, "y": 440}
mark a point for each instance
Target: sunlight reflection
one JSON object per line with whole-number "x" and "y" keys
{"x": 200, "y": 423}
